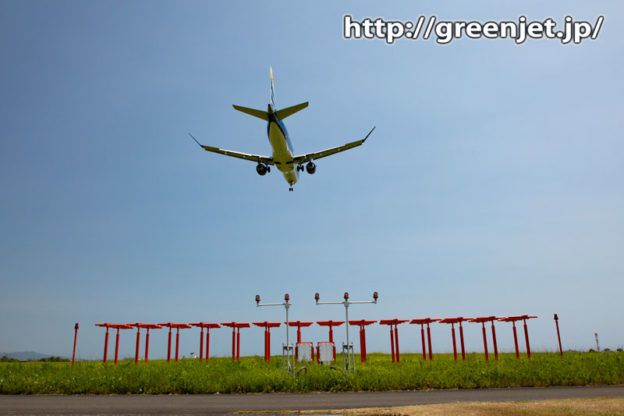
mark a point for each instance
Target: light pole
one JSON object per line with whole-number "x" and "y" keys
{"x": 349, "y": 364}
{"x": 287, "y": 350}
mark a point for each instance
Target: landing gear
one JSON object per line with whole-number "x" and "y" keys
{"x": 300, "y": 168}
{"x": 291, "y": 189}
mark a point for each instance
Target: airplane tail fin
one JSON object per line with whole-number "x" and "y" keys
{"x": 272, "y": 89}
{"x": 281, "y": 114}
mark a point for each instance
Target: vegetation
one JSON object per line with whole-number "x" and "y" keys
{"x": 251, "y": 374}
{"x": 5, "y": 359}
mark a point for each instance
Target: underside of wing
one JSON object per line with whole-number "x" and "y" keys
{"x": 299, "y": 159}
{"x": 247, "y": 156}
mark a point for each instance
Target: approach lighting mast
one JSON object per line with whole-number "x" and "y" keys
{"x": 348, "y": 365}
{"x": 288, "y": 356}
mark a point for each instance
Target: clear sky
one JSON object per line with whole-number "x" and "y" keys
{"x": 493, "y": 184}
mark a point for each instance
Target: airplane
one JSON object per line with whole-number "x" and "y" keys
{"x": 283, "y": 157}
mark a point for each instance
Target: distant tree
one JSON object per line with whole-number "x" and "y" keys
{"x": 53, "y": 359}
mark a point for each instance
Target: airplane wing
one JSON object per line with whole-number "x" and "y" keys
{"x": 247, "y": 156}
{"x": 299, "y": 159}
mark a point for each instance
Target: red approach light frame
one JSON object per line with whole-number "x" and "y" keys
{"x": 117, "y": 327}
{"x": 394, "y": 338}
{"x": 331, "y": 324}
{"x": 107, "y": 326}
{"x": 513, "y": 320}
{"x": 558, "y": 335}
{"x": 177, "y": 327}
{"x": 208, "y": 326}
{"x": 299, "y": 325}
{"x": 267, "y": 337}
{"x": 147, "y": 327}
{"x": 454, "y": 321}
{"x": 362, "y": 323}
{"x": 422, "y": 322}
{"x": 236, "y": 326}
{"x": 76, "y": 339}
{"x": 483, "y": 320}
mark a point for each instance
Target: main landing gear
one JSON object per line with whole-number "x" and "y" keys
{"x": 291, "y": 189}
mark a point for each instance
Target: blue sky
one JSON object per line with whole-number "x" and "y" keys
{"x": 492, "y": 185}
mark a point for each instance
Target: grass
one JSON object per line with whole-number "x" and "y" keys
{"x": 252, "y": 375}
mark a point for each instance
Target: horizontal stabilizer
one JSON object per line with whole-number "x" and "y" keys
{"x": 282, "y": 114}
{"x": 253, "y": 112}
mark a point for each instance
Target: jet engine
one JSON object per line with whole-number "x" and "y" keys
{"x": 311, "y": 168}
{"x": 262, "y": 169}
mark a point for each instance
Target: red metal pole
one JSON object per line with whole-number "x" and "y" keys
{"x": 424, "y": 347}
{"x": 429, "y": 340}
{"x": 558, "y": 336}
{"x": 238, "y": 344}
{"x": 362, "y": 344}
{"x": 105, "y": 346}
{"x": 147, "y": 345}
{"x": 75, "y": 339}
{"x": 138, "y": 341}
{"x": 331, "y": 339}
{"x": 526, "y": 338}
{"x": 177, "y": 343}
{"x": 396, "y": 342}
{"x": 117, "y": 346}
{"x": 207, "y": 343}
{"x": 391, "y": 343}
{"x": 169, "y": 347}
{"x": 233, "y": 343}
{"x": 268, "y": 345}
{"x": 454, "y": 345}
{"x": 461, "y": 339}
{"x": 298, "y": 342}
{"x": 487, "y": 357}
{"x": 494, "y": 341}
{"x": 201, "y": 344}
{"x": 516, "y": 340}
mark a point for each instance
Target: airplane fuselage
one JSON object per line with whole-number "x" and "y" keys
{"x": 283, "y": 156}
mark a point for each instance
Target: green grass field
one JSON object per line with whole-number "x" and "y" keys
{"x": 252, "y": 375}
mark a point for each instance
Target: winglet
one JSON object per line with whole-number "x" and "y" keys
{"x": 193, "y": 137}
{"x": 369, "y": 133}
